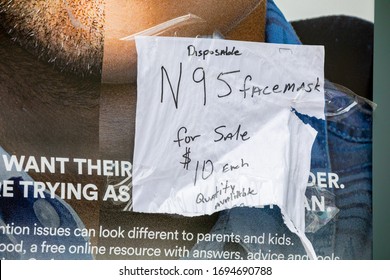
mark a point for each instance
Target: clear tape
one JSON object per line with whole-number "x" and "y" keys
{"x": 167, "y": 26}
{"x": 317, "y": 218}
{"x": 336, "y": 108}
{"x": 119, "y": 61}
{"x": 116, "y": 183}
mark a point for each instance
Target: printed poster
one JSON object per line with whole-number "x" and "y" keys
{"x": 83, "y": 166}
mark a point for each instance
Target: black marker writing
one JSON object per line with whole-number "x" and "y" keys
{"x": 202, "y": 79}
{"x": 227, "y": 193}
{"x": 207, "y": 170}
{"x": 227, "y": 51}
{"x": 255, "y": 90}
{"x": 175, "y": 95}
{"x": 249, "y": 87}
{"x": 236, "y": 135}
{"x": 187, "y": 138}
{"x": 219, "y": 78}
{"x": 231, "y": 167}
{"x": 187, "y": 159}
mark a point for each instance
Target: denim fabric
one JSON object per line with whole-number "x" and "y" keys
{"x": 349, "y": 144}
{"x": 350, "y": 147}
{"x": 343, "y": 146}
{"x": 278, "y": 29}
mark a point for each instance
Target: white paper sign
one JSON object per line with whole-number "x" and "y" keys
{"x": 215, "y": 125}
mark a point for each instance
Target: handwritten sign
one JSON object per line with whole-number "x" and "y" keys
{"x": 216, "y": 126}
